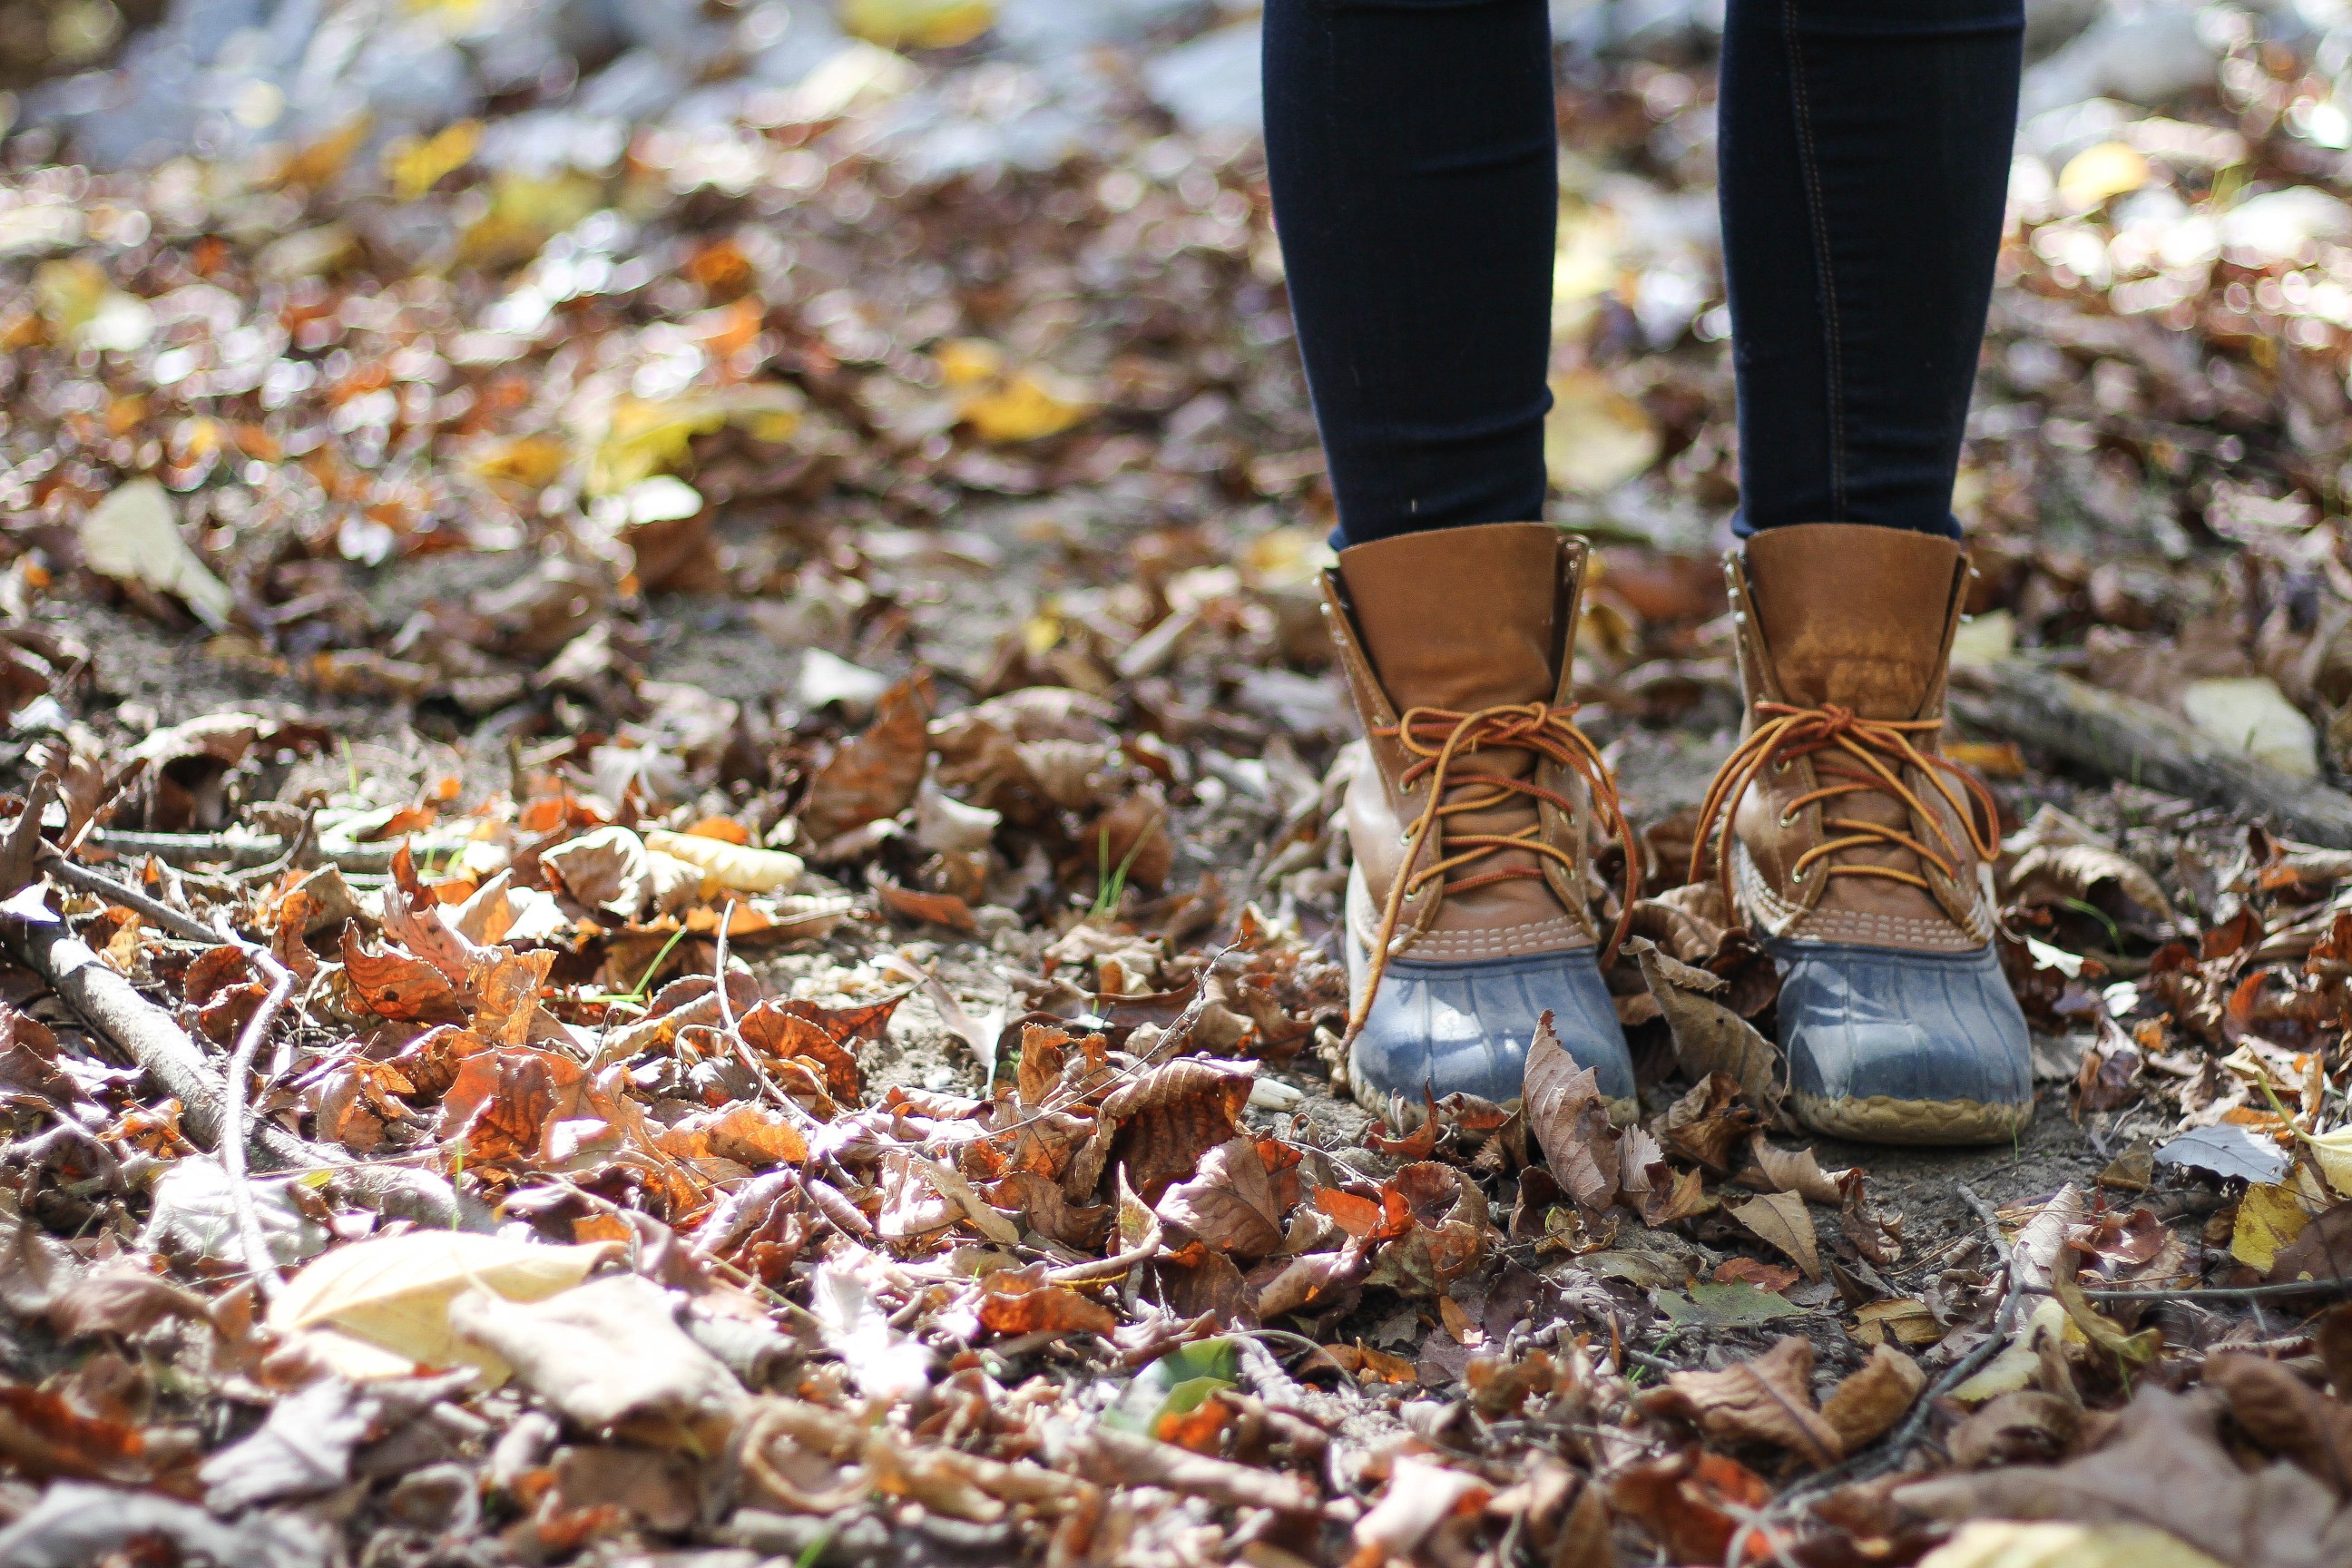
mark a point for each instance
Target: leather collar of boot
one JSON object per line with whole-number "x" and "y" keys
{"x": 1853, "y": 615}
{"x": 1376, "y": 709}
{"x": 1773, "y": 857}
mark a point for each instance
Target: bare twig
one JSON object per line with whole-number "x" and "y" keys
{"x": 232, "y": 1149}
{"x": 2339, "y": 1285}
{"x": 149, "y": 908}
{"x": 1109, "y": 1267}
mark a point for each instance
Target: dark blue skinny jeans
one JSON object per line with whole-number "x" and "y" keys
{"x": 1865, "y": 151}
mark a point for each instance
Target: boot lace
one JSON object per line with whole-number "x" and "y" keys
{"x": 1437, "y": 739}
{"x": 1788, "y": 733}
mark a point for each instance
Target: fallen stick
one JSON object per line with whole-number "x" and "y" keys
{"x": 2126, "y": 739}
{"x": 189, "y": 849}
{"x": 152, "y": 1039}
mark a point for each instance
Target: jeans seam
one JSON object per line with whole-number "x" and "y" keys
{"x": 1808, "y": 158}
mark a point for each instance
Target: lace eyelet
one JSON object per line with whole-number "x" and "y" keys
{"x": 1788, "y": 820}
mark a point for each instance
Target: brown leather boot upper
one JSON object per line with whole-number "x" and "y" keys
{"x": 1441, "y": 627}
{"x": 1847, "y": 823}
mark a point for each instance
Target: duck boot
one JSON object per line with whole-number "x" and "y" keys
{"x": 1854, "y": 846}
{"x": 1470, "y": 811}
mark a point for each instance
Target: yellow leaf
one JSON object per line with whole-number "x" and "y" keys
{"x": 2098, "y": 174}
{"x": 2015, "y": 1544}
{"x": 394, "y": 1292}
{"x": 967, "y": 362}
{"x": 2331, "y": 1152}
{"x": 416, "y": 164}
{"x": 2131, "y": 1352}
{"x": 1031, "y": 404}
{"x": 2251, "y": 714}
{"x": 1595, "y": 437}
{"x": 526, "y": 211}
{"x": 532, "y": 461}
{"x": 2268, "y": 1219}
{"x": 644, "y": 436}
{"x": 69, "y": 293}
{"x": 1907, "y": 1318}
{"x": 324, "y": 158}
{"x": 917, "y": 24}
{"x": 2018, "y": 1365}
{"x": 737, "y": 866}
{"x": 132, "y": 536}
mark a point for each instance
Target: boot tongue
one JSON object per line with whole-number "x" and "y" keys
{"x": 1852, "y": 614}
{"x": 1459, "y": 617}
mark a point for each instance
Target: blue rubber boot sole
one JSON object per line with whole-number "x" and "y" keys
{"x": 1887, "y": 1045}
{"x": 1466, "y": 1028}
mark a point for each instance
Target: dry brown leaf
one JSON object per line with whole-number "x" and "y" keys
{"x": 403, "y": 989}
{"x": 1166, "y": 1120}
{"x": 1229, "y": 1203}
{"x": 877, "y": 773}
{"x": 1781, "y": 1220}
{"x": 1023, "y": 1303}
{"x": 1709, "y": 1038}
{"x": 2023, "y": 1427}
{"x": 1570, "y": 1121}
{"x": 2165, "y": 1469}
{"x": 1868, "y": 1403}
{"x": 1768, "y": 1400}
{"x": 1797, "y": 1171}
{"x": 2286, "y": 1414}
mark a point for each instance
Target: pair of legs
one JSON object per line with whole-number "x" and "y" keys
{"x": 1863, "y": 154}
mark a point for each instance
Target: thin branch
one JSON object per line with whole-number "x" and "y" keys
{"x": 149, "y": 908}
{"x": 232, "y": 1113}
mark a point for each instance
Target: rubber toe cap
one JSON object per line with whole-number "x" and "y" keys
{"x": 1465, "y": 1027}
{"x": 1909, "y": 1032}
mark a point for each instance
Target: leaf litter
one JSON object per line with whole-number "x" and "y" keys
{"x": 721, "y": 756}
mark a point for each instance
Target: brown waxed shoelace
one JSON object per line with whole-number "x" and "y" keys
{"x": 1436, "y": 738}
{"x": 1790, "y": 733}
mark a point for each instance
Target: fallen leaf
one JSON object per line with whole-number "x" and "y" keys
{"x": 1763, "y": 1276}
{"x": 1709, "y": 1038}
{"x": 2322, "y": 1251}
{"x": 394, "y": 1292}
{"x": 1797, "y": 1171}
{"x": 132, "y": 536}
{"x": 738, "y": 868}
{"x": 1569, "y": 1120}
{"x": 2164, "y": 1470}
{"x": 2023, "y": 1428}
{"x": 609, "y": 1356}
{"x": 2009, "y": 1543}
{"x": 1420, "y": 1496}
{"x": 1019, "y": 1303}
{"x": 2268, "y": 1219}
{"x": 1229, "y": 1203}
{"x": 1738, "y": 1305}
{"x": 1781, "y": 1220}
{"x": 1867, "y": 1404}
{"x": 1768, "y": 1399}
{"x": 2131, "y": 1352}
{"x": 2250, "y": 715}
{"x": 877, "y": 773}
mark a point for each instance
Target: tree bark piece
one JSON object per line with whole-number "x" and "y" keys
{"x": 2126, "y": 739}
